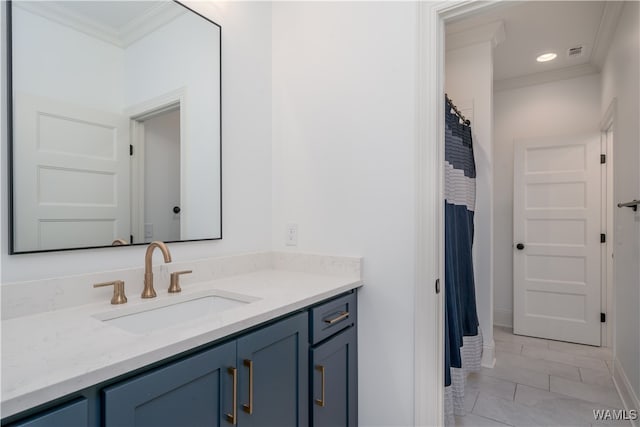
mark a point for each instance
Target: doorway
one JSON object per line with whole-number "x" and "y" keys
{"x": 491, "y": 59}
{"x": 434, "y": 18}
{"x": 155, "y": 168}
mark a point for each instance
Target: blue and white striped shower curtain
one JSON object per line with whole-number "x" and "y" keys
{"x": 463, "y": 338}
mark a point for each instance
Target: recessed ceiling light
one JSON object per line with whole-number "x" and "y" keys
{"x": 546, "y": 57}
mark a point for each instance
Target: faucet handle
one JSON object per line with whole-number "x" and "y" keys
{"x": 118, "y": 291}
{"x": 175, "y": 280}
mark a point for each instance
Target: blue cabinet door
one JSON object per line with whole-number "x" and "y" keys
{"x": 335, "y": 381}
{"x": 196, "y": 391}
{"x": 75, "y": 414}
{"x": 273, "y": 375}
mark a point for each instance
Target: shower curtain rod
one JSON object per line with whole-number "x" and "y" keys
{"x": 458, "y": 113}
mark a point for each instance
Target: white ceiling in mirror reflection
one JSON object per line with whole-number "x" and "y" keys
{"x": 120, "y": 23}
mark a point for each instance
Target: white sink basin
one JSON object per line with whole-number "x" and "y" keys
{"x": 150, "y": 316}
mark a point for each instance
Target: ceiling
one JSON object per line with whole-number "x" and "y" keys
{"x": 535, "y": 27}
{"x": 111, "y": 14}
{"x": 117, "y": 22}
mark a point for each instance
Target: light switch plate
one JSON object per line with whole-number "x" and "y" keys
{"x": 291, "y": 237}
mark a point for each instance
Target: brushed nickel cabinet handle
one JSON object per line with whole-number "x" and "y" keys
{"x": 248, "y": 408}
{"x": 233, "y": 416}
{"x": 321, "y": 402}
{"x": 343, "y": 315}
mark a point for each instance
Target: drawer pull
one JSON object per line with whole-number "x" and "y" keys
{"x": 343, "y": 315}
{"x": 233, "y": 416}
{"x": 321, "y": 402}
{"x": 248, "y": 408}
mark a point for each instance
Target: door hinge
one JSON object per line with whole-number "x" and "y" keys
{"x": 603, "y": 317}
{"x": 603, "y": 238}
{"x": 130, "y": 150}
{"x": 603, "y": 158}
{"x": 437, "y": 286}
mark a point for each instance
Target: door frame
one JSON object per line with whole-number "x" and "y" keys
{"x": 429, "y": 155}
{"x": 137, "y": 115}
{"x": 608, "y": 123}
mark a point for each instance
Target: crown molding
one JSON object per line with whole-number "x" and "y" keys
{"x": 139, "y": 27}
{"x": 545, "y": 77}
{"x": 606, "y": 31}
{"x": 63, "y": 16}
{"x": 493, "y": 32}
{"x": 154, "y": 18}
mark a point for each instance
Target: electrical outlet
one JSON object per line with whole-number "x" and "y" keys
{"x": 148, "y": 230}
{"x": 291, "y": 237}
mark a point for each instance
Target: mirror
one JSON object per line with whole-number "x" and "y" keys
{"x": 115, "y": 129}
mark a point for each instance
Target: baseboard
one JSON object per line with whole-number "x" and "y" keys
{"x": 503, "y": 318}
{"x": 625, "y": 390}
{"x": 489, "y": 355}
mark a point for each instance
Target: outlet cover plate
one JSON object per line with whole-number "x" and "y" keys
{"x": 291, "y": 236}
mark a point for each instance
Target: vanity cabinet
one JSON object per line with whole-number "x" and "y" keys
{"x": 273, "y": 374}
{"x": 195, "y": 391}
{"x": 262, "y": 373}
{"x": 299, "y": 370}
{"x": 334, "y": 364}
{"x": 75, "y": 413}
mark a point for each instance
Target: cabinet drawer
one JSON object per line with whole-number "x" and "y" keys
{"x": 332, "y": 317}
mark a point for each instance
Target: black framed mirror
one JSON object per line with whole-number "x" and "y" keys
{"x": 114, "y": 113}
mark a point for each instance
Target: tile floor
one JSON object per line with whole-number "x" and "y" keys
{"x": 539, "y": 382}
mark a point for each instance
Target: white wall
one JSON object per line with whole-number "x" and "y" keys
{"x": 620, "y": 80}
{"x": 96, "y": 83}
{"x": 344, "y": 120}
{"x": 246, "y": 149}
{"x": 558, "y": 108}
{"x": 469, "y": 80}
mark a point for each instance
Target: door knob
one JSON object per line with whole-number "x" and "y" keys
{"x": 176, "y": 209}
{"x": 520, "y": 246}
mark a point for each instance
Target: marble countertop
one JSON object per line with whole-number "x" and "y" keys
{"x": 51, "y": 354}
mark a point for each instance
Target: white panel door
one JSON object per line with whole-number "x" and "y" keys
{"x": 556, "y": 260}
{"x": 71, "y": 175}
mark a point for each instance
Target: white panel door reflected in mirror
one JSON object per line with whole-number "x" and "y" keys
{"x": 116, "y": 124}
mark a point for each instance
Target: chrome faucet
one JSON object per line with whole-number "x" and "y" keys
{"x": 148, "y": 291}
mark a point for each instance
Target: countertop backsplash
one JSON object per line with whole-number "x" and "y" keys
{"x": 37, "y": 296}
